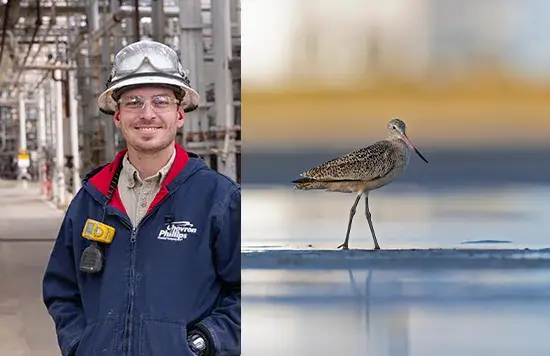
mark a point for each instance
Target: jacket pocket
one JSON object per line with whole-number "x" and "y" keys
{"x": 99, "y": 338}
{"x": 163, "y": 337}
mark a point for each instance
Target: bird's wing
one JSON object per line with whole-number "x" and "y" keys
{"x": 365, "y": 164}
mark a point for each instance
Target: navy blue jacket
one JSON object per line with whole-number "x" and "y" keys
{"x": 178, "y": 270}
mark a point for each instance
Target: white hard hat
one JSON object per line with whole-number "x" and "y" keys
{"x": 147, "y": 63}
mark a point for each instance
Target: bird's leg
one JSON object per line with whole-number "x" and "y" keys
{"x": 369, "y": 219}
{"x": 344, "y": 246}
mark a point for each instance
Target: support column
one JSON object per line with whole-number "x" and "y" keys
{"x": 60, "y": 153}
{"x": 119, "y": 142}
{"x": 53, "y": 129}
{"x": 107, "y": 120}
{"x": 75, "y": 152}
{"x": 49, "y": 138}
{"x": 223, "y": 85}
{"x": 116, "y": 31}
{"x": 191, "y": 56}
{"x": 42, "y": 179}
{"x": 91, "y": 118}
{"x": 22, "y": 122}
{"x": 158, "y": 20}
{"x": 86, "y": 113}
{"x": 23, "y": 159}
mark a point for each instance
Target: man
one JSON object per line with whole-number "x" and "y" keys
{"x": 147, "y": 260}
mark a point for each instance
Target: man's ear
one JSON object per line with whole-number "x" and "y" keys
{"x": 116, "y": 119}
{"x": 181, "y": 117}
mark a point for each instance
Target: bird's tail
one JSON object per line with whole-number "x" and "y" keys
{"x": 308, "y": 184}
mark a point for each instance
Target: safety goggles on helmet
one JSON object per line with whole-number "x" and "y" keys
{"x": 147, "y": 63}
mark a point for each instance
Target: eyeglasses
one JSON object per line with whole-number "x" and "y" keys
{"x": 137, "y": 103}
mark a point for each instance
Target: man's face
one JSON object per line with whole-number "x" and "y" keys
{"x": 153, "y": 127}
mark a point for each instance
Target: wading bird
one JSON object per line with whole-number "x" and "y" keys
{"x": 362, "y": 171}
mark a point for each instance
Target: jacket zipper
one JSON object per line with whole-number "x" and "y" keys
{"x": 126, "y": 333}
{"x": 131, "y": 293}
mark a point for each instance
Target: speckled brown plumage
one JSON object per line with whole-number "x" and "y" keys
{"x": 363, "y": 170}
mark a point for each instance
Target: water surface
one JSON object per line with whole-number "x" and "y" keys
{"x": 398, "y": 311}
{"x": 404, "y": 216}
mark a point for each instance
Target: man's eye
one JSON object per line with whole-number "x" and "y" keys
{"x": 160, "y": 101}
{"x": 133, "y": 103}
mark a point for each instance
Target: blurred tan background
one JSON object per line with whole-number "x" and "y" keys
{"x": 462, "y": 74}
{"x": 471, "y": 79}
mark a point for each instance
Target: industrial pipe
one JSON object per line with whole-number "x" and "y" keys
{"x": 37, "y": 25}
{"x": 3, "y": 137}
{"x": 221, "y": 33}
{"x": 73, "y": 121}
{"x": 51, "y": 118}
{"x": 137, "y": 21}
{"x": 49, "y": 67}
{"x": 116, "y": 17}
{"x": 4, "y": 29}
{"x": 41, "y": 138}
{"x": 52, "y": 22}
{"x": 112, "y": 21}
{"x": 60, "y": 154}
{"x": 23, "y": 164}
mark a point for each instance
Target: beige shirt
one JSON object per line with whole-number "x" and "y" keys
{"x": 137, "y": 194}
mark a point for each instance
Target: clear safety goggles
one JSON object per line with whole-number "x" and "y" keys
{"x": 147, "y": 57}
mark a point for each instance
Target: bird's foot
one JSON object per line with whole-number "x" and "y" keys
{"x": 377, "y": 247}
{"x": 343, "y": 246}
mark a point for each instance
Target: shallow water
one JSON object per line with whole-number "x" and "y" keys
{"x": 397, "y": 311}
{"x": 403, "y": 217}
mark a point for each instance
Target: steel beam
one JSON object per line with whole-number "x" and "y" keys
{"x": 73, "y": 127}
{"x": 192, "y": 58}
{"x": 62, "y": 67}
{"x": 60, "y": 147}
{"x": 223, "y": 85}
{"x": 158, "y": 20}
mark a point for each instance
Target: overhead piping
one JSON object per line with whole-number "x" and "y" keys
{"x": 37, "y": 25}
{"x": 53, "y": 21}
{"x": 137, "y": 20}
{"x": 4, "y": 29}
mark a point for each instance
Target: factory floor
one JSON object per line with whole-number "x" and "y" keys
{"x": 28, "y": 226}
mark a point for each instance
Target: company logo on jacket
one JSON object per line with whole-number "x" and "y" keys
{"x": 177, "y": 231}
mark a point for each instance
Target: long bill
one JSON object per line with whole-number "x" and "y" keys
{"x": 409, "y": 143}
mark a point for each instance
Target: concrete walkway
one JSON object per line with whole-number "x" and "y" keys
{"x": 28, "y": 226}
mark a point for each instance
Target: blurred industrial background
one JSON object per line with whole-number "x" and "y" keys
{"x": 55, "y": 58}
{"x": 471, "y": 79}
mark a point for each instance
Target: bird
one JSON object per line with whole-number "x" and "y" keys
{"x": 362, "y": 171}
